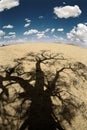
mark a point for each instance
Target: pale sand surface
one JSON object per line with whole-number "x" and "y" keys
{"x": 75, "y": 53}
{"x": 8, "y": 53}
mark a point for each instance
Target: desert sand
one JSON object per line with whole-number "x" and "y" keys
{"x": 74, "y": 119}
{"x": 8, "y": 53}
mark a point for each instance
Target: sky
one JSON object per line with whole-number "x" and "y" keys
{"x": 60, "y": 21}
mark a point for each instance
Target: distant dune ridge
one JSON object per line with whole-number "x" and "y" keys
{"x": 43, "y": 86}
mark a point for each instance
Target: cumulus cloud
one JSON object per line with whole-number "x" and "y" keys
{"x": 64, "y": 3}
{"x": 8, "y": 4}
{"x": 34, "y": 31}
{"x": 57, "y": 38}
{"x": 67, "y": 11}
{"x": 31, "y": 31}
{"x": 12, "y": 33}
{"x": 10, "y": 36}
{"x": 2, "y": 33}
{"x": 60, "y": 29}
{"x": 8, "y": 26}
{"x": 9, "y": 41}
{"x": 41, "y": 17}
{"x": 21, "y": 40}
{"x": 78, "y": 33}
{"x": 52, "y": 30}
{"x": 27, "y": 25}
{"x": 46, "y": 30}
{"x": 27, "y": 20}
{"x": 40, "y": 35}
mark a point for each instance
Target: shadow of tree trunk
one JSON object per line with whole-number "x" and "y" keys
{"x": 40, "y": 114}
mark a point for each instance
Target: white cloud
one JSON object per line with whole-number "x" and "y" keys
{"x": 35, "y": 31}
{"x": 46, "y": 30}
{"x": 8, "y": 4}
{"x": 43, "y": 33}
{"x": 52, "y": 30}
{"x": 57, "y": 38}
{"x": 8, "y": 26}
{"x": 21, "y": 40}
{"x": 27, "y": 25}
{"x": 40, "y": 35}
{"x": 60, "y": 29}
{"x": 64, "y": 3}
{"x": 11, "y": 33}
{"x": 78, "y": 33}
{"x": 85, "y": 23}
{"x": 27, "y": 20}
{"x": 11, "y": 36}
{"x": 41, "y": 17}
{"x": 67, "y": 11}
{"x": 7, "y": 41}
{"x": 32, "y": 31}
{"x": 2, "y": 33}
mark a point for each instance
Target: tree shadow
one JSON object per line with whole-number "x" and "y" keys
{"x": 38, "y": 84}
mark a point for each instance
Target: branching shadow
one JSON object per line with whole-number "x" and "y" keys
{"x": 40, "y": 77}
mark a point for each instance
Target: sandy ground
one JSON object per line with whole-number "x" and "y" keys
{"x": 8, "y": 53}
{"x": 75, "y": 53}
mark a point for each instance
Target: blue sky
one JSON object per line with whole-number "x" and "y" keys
{"x": 62, "y": 21}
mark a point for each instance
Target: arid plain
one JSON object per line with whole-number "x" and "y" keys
{"x": 69, "y": 62}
